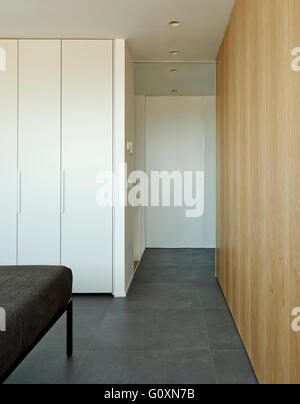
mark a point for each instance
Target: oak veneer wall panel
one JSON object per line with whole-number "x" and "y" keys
{"x": 259, "y": 154}
{"x": 218, "y": 171}
{"x": 245, "y": 194}
{"x": 277, "y": 190}
{"x": 294, "y": 169}
{"x": 231, "y": 173}
{"x": 228, "y": 177}
{"x": 220, "y": 207}
{"x": 236, "y": 131}
{"x": 224, "y": 184}
{"x": 219, "y": 126}
{"x": 253, "y": 259}
{"x": 225, "y": 179}
{"x": 222, "y": 226}
{"x": 258, "y": 102}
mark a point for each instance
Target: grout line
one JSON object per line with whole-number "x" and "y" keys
{"x": 88, "y": 349}
{"x": 176, "y": 61}
{"x": 228, "y": 350}
{"x": 207, "y": 335}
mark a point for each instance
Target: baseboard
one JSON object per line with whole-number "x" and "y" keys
{"x": 119, "y": 295}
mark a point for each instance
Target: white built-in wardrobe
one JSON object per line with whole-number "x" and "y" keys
{"x": 55, "y": 136}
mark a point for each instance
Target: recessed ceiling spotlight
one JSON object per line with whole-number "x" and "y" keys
{"x": 174, "y": 23}
{"x": 174, "y": 52}
{"x": 173, "y": 71}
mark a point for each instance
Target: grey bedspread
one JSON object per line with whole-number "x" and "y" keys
{"x": 31, "y": 297}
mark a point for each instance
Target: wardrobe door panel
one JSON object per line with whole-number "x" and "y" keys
{"x": 8, "y": 151}
{"x": 87, "y": 150}
{"x": 39, "y": 152}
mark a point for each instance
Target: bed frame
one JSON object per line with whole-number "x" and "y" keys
{"x": 67, "y": 309}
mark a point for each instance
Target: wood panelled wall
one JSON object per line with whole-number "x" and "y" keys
{"x": 258, "y": 119}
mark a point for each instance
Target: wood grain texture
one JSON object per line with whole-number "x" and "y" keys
{"x": 294, "y": 194}
{"x": 258, "y": 129}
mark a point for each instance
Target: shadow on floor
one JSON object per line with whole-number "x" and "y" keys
{"x": 173, "y": 328}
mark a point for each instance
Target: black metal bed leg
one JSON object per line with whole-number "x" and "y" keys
{"x": 70, "y": 329}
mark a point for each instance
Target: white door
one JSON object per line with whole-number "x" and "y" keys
{"x": 8, "y": 151}
{"x": 87, "y": 150}
{"x": 175, "y": 140}
{"x": 39, "y": 152}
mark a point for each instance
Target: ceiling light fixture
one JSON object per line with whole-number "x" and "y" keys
{"x": 174, "y": 23}
{"x": 173, "y": 52}
{"x": 173, "y": 71}
{"x": 175, "y": 91}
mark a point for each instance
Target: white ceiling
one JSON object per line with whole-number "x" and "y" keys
{"x": 143, "y": 22}
{"x": 155, "y": 79}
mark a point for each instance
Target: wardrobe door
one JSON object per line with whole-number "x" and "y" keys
{"x": 39, "y": 152}
{"x": 8, "y": 151}
{"x": 87, "y": 150}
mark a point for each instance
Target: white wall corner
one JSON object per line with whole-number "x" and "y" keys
{"x": 119, "y": 269}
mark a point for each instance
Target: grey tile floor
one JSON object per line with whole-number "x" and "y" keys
{"x": 174, "y": 327}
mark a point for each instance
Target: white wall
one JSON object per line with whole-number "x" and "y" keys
{"x": 123, "y": 234}
{"x": 208, "y": 107}
{"x": 139, "y": 165}
{"x": 181, "y": 135}
{"x": 129, "y": 158}
{"x": 119, "y": 286}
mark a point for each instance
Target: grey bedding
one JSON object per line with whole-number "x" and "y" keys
{"x": 31, "y": 297}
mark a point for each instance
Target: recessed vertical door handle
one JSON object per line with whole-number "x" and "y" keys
{"x": 19, "y": 208}
{"x": 63, "y": 187}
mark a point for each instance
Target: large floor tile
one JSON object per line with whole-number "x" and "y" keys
{"x": 233, "y": 367}
{"x": 148, "y": 367}
{"x": 164, "y": 296}
{"x": 211, "y": 296}
{"x": 177, "y": 266}
{"x": 127, "y": 329}
{"x": 92, "y": 305}
{"x": 47, "y": 367}
{"x": 182, "y": 329}
{"x": 166, "y": 273}
{"x": 88, "y": 315}
{"x": 174, "y": 327}
{"x": 221, "y": 330}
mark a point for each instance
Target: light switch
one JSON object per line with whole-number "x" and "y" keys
{"x": 130, "y": 147}
{"x": 2, "y": 60}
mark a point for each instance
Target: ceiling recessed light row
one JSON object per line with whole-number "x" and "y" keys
{"x": 174, "y": 24}
{"x": 174, "y": 52}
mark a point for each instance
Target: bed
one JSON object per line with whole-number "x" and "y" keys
{"x": 32, "y": 299}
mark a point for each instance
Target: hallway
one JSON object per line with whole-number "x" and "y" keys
{"x": 174, "y": 327}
